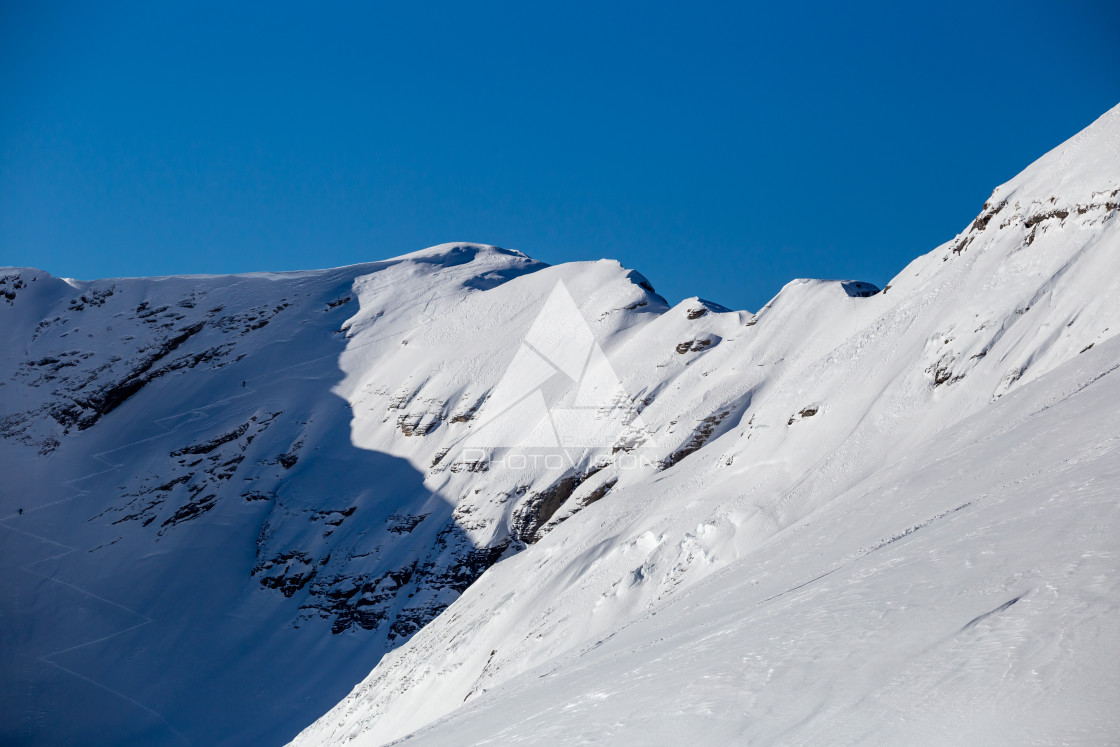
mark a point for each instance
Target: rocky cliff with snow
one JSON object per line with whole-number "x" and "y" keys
{"x": 534, "y": 503}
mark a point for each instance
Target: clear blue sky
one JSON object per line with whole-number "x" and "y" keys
{"x": 720, "y": 149}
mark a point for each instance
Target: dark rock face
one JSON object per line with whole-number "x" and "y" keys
{"x": 398, "y": 602}
{"x": 700, "y": 436}
{"x": 533, "y": 513}
{"x": 191, "y": 480}
{"x": 86, "y": 385}
{"x": 10, "y": 286}
{"x": 698, "y": 345}
{"x": 806, "y": 412}
{"x": 203, "y": 443}
{"x": 355, "y": 565}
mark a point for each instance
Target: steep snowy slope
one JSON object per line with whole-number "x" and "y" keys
{"x": 855, "y": 517}
{"x": 966, "y": 595}
{"x": 226, "y": 497}
{"x": 190, "y": 531}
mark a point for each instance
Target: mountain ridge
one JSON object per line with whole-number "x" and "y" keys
{"x": 293, "y": 498}
{"x": 974, "y": 299}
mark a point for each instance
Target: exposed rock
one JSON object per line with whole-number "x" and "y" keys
{"x": 696, "y": 441}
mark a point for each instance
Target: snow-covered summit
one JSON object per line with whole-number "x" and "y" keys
{"x": 541, "y": 490}
{"x": 888, "y": 509}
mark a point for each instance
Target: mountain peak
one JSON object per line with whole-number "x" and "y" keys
{"x": 489, "y": 486}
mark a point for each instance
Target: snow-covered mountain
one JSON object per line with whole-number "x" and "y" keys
{"x": 856, "y": 515}
{"x": 901, "y": 525}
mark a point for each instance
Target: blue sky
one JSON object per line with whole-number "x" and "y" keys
{"x": 721, "y": 149}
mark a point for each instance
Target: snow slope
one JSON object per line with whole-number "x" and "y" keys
{"x": 863, "y": 518}
{"x": 199, "y": 535}
{"x": 225, "y": 498}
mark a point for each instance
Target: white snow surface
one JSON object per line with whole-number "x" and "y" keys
{"x": 851, "y": 517}
{"x": 928, "y": 558}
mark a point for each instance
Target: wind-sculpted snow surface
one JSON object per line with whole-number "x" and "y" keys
{"x": 861, "y": 517}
